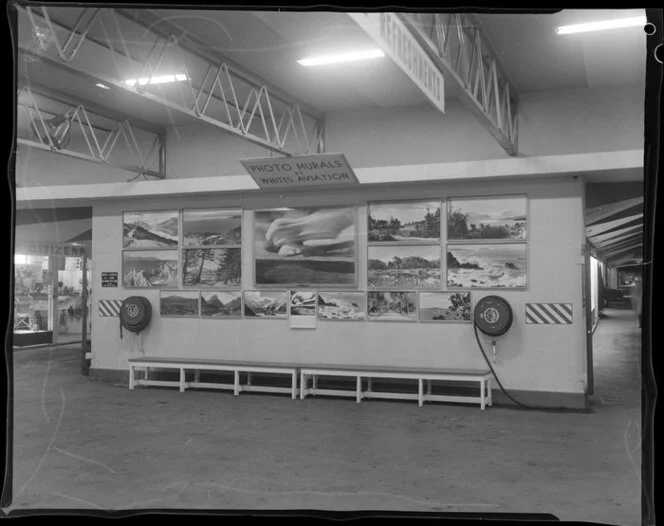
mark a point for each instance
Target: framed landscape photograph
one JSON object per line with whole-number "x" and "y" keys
{"x": 312, "y": 247}
{"x": 487, "y": 266}
{"x": 404, "y": 267}
{"x": 211, "y": 227}
{"x": 392, "y": 306}
{"x": 404, "y": 221}
{"x": 150, "y": 229}
{"x": 178, "y": 303}
{"x": 265, "y": 304}
{"x": 149, "y": 268}
{"x": 302, "y": 303}
{"x": 344, "y": 306}
{"x": 502, "y": 218}
{"x": 445, "y": 307}
{"x": 212, "y": 267}
{"x": 221, "y": 304}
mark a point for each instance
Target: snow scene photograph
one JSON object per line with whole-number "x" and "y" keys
{"x": 487, "y": 266}
{"x": 150, "y": 268}
{"x": 150, "y": 229}
{"x": 211, "y": 227}
{"x": 342, "y": 306}
{"x": 265, "y": 304}
{"x": 488, "y": 218}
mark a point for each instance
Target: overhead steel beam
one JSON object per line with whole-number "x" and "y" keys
{"x": 456, "y": 44}
{"x": 632, "y": 241}
{"x": 255, "y": 120}
{"x": 636, "y": 231}
{"x": 609, "y": 225}
{"x": 619, "y": 251}
{"x": 600, "y": 238}
{"x": 593, "y": 215}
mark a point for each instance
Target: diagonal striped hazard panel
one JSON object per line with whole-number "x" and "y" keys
{"x": 549, "y": 313}
{"x": 109, "y": 307}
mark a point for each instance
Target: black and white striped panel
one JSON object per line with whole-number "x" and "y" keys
{"x": 109, "y": 307}
{"x": 549, "y": 313}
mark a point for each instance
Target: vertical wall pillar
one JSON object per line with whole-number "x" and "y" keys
{"x": 85, "y": 362}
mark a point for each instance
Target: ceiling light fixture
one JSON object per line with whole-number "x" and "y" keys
{"x": 345, "y": 57}
{"x": 601, "y": 26}
{"x": 102, "y": 86}
{"x": 163, "y": 79}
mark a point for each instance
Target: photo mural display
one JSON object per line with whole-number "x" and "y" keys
{"x": 404, "y": 267}
{"x": 150, "y": 229}
{"x": 150, "y": 268}
{"x": 178, "y": 303}
{"x": 221, "y": 304}
{"x": 445, "y": 306}
{"x": 213, "y": 267}
{"x": 211, "y": 227}
{"x": 404, "y": 221}
{"x": 345, "y": 306}
{"x": 313, "y": 246}
{"x": 487, "y": 266}
{"x": 392, "y": 306}
{"x": 487, "y": 218}
{"x": 265, "y": 304}
{"x": 302, "y": 303}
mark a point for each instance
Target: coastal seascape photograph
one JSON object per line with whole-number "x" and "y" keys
{"x": 487, "y": 266}
{"x": 445, "y": 306}
{"x": 404, "y": 267}
{"x": 488, "y": 218}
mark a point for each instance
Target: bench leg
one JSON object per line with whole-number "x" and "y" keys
{"x": 428, "y": 386}
{"x": 369, "y": 385}
{"x": 248, "y": 378}
{"x": 147, "y": 373}
{"x": 197, "y": 376}
{"x": 315, "y": 383}
{"x": 131, "y": 377}
{"x": 303, "y": 385}
{"x": 358, "y": 392}
{"x": 482, "y": 398}
{"x": 182, "y": 379}
{"x": 236, "y": 383}
{"x": 420, "y": 392}
{"x": 294, "y": 385}
{"x": 490, "y": 391}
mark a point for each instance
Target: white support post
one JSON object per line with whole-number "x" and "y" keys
{"x": 358, "y": 396}
{"x": 303, "y": 385}
{"x": 147, "y": 372}
{"x": 369, "y": 384}
{"x": 131, "y": 377}
{"x": 236, "y": 383}
{"x": 182, "y": 379}
{"x": 420, "y": 392}
{"x": 248, "y": 378}
{"x": 482, "y": 398}
{"x": 197, "y": 376}
{"x": 490, "y": 391}
{"x": 294, "y": 385}
{"x": 429, "y": 387}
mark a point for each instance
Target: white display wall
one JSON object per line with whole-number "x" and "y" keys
{"x": 530, "y": 357}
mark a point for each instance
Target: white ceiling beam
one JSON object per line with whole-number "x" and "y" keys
{"x": 593, "y": 215}
{"x": 612, "y": 241}
{"x": 634, "y": 240}
{"x": 610, "y": 225}
{"x": 600, "y": 238}
{"x": 609, "y": 255}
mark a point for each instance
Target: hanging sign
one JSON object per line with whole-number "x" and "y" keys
{"x": 48, "y": 249}
{"x": 394, "y": 38}
{"x": 109, "y": 279}
{"x": 302, "y": 171}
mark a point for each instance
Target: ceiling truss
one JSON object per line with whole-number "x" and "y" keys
{"x": 455, "y": 42}
{"x": 256, "y": 115}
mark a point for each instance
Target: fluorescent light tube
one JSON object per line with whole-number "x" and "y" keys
{"x": 338, "y": 59}
{"x": 601, "y": 26}
{"x": 163, "y": 79}
{"x": 102, "y": 86}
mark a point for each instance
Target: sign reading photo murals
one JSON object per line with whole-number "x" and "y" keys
{"x": 149, "y": 268}
{"x": 487, "y": 266}
{"x": 265, "y": 304}
{"x": 304, "y": 171}
{"x": 211, "y": 227}
{"x": 109, "y": 279}
{"x": 392, "y": 306}
{"x": 343, "y": 306}
{"x": 221, "y": 304}
{"x": 48, "y": 249}
{"x": 445, "y": 306}
{"x": 178, "y": 303}
{"x": 213, "y": 267}
{"x": 150, "y": 229}
{"x": 488, "y": 218}
{"x": 310, "y": 247}
{"x": 404, "y": 222}
{"x": 404, "y": 267}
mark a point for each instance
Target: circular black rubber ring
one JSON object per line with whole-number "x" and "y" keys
{"x": 493, "y": 315}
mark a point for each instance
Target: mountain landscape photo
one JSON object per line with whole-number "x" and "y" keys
{"x": 342, "y": 305}
{"x": 488, "y": 218}
{"x": 150, "y": 268}
{"x": 212, "y": 227}
{"x": 150, "y": 229}
{"x": 221, "y": 304}
{"x": 178, "y": 303}
{"x": 265, "y": 304}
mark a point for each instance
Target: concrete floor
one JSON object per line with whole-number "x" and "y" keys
{"x": 81, "y": 443}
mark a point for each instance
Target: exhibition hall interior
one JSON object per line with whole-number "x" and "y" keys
{"x": 340, "y": 261}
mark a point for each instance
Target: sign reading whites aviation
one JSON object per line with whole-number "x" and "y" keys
{"x": 301, "y": 171}
{"x": 396, "y": 41}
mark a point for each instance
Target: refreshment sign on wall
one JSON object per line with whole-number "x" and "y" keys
{"x": 302, "y": 171}
{"x": 49, "y": 249}
{"x": 396, "y": 41}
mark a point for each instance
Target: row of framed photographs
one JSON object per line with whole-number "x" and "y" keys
{"x": 406, "y": 306}
{"x": 476, "y": 219}
{"x": 388, "y": 267}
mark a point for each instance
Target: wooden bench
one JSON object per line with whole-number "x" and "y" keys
{"x": 483, "y": 377}
{"x": 183, "y": 365}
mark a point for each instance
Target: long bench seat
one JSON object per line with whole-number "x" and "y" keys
{"x": 481, "y": 376}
